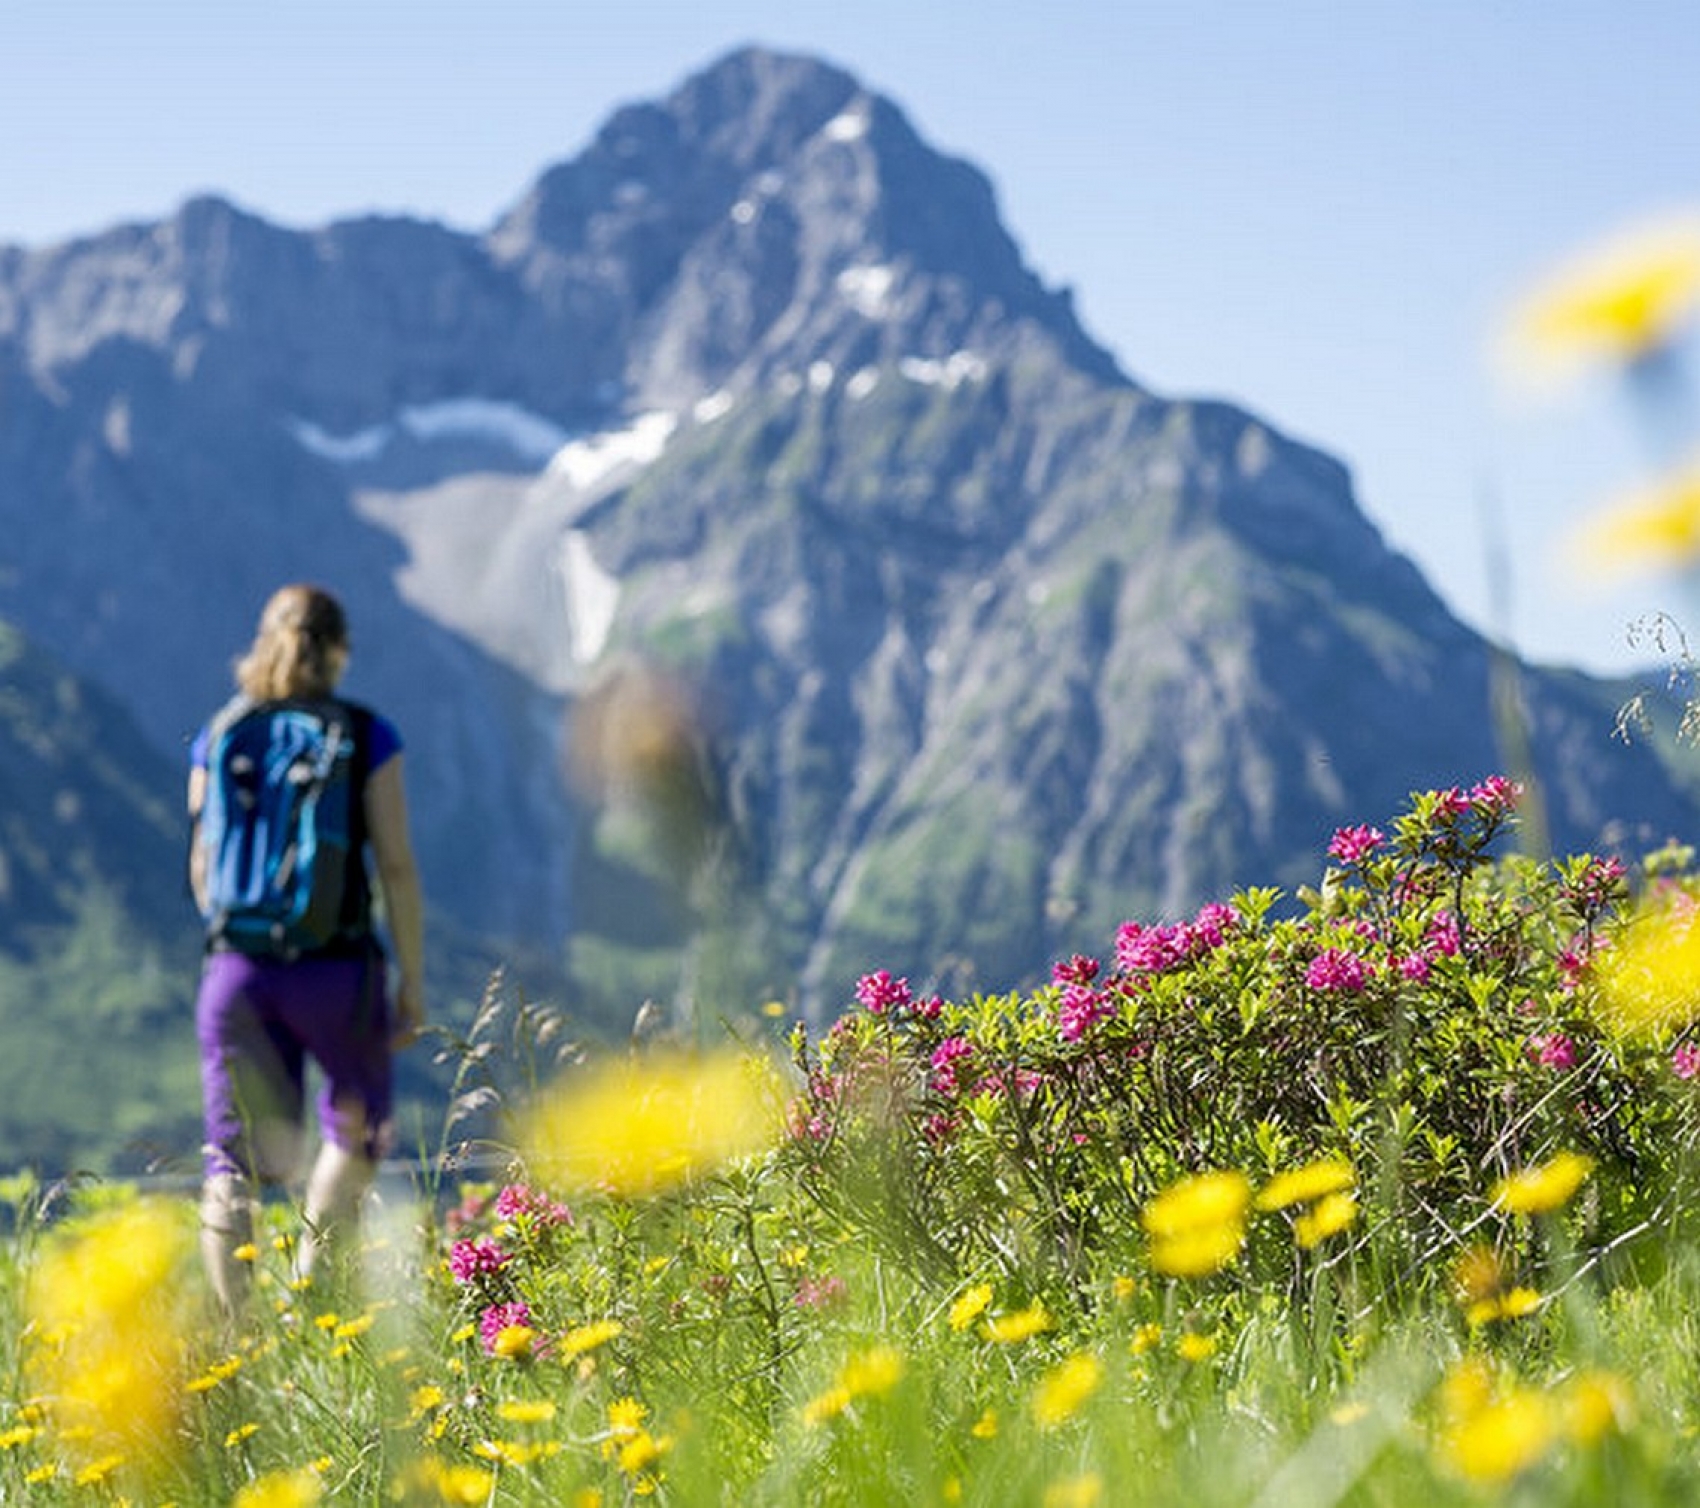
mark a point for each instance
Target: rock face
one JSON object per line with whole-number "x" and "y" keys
{"x": 962, "y": 646}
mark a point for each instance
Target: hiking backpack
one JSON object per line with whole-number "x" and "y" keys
{"x": 279, "y": 831}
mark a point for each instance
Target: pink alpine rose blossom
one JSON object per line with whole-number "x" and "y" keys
{"x": 880, "y": 994}
{"x": 1352, "y": 845}
{"x": 1553, "y": 1050}
{"x": 1685, "y": 1060}
{"x": 480, "y": 1258}
{"x": 1336, "y": 969}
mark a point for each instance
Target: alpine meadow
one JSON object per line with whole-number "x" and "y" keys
{"x": 991, "y": 942}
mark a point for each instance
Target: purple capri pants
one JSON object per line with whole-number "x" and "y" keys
{"x": 259, "y": 1020}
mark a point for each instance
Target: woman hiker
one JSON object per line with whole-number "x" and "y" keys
{"x": 290, "y": 786}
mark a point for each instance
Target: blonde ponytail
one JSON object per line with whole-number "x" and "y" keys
{"x": 299, "y": 646}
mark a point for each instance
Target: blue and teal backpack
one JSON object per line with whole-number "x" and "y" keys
{"x": 281, "y": 830}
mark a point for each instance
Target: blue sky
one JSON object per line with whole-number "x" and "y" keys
{"x": 1320, "y": 211}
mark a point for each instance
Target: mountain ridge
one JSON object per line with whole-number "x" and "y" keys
{"x": 970, "y": 644}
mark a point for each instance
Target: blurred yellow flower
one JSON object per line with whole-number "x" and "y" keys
{"x": 107, "y": 1305}
{"x": 588, "y": 1337}
{"x": 1197, "y": 1226}
{"x": 639, "y": 1127}
{"x": 447, "y": 1482}
{"x": 986, "y": 1426}
{"x": 281, "y": 1489}
{"x": 1065, "y": 1389}
{"x": 1496, "y": 1438}
{"x": 1302, "y": 1185}
{"x": 1656, "y": 527}
{"x": 970, "y": 1305}
{"x": 1146, "y": 1338}
{"x": 1649, "y": 982}
{"x": 1595, "y": 1404}
{"x": 526, "y": 1410}
{"x": 1618, "y": 301}
{"x": 1534, "y": 1191}
{"x": 1023, "y": 1324}
{"x": 1513, "y": 1305}
{"x": 824, "y": 1406}
{"x": 1330, "y": 1215}
{"x": 872, "y": 1372}
{"x": 1085, "y": 1491}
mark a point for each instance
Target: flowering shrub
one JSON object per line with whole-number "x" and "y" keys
{"x": 1429, "y": 1012}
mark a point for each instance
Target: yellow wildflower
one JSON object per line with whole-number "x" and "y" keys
{"x": 98, "y": 1471}
{"x": 1084, "y": 1491}
{"x": 526, "y": 1410}
{"x": 1023, "y": 1324}
{"x": 1146, "y": 1338}
{"x": 1649, "y": 983}
{"x": 107, "y": 1303}
{"x": 247, "y": 1252}
{"x": 46, "y": 1472}
{"x": 18, "y": 1435}
{"x": 970, "y": 1305}
{"x": 513, "y": 1342}
{"x": 826, "y": 1405}
{"x": 1064, "y": 1390}
{"x": 1617, "y": 302}
{"x": 448, "y": 1482}
{"x": 872, "y": 1372}
{"x": 1534, "y": 1191}
{"x": 241, "y": 1433}
{"x": 1197, "y": 1226}
{"x": 639, "y": 1127}
{"x": 348, "y": 1329}
{"x": 281, "y": 1489}
{"x": 588, "y": 1337}
{"x": 986, "y": 1426}
{"x": 626, "y": 1415}
{"x": 1303, "y": 1185}
{"x": 1501, "y": 1437}
{"x": 1195, "y": 1347}
{"x": 638, "y": 1454}
{"x": 1330, "y": 1215}
{"x": 1656, "y": 527}
{"x": 1513, "y": 1305}
{"x": 425, "y": 1399}
{"x": 1593, "y": 1405}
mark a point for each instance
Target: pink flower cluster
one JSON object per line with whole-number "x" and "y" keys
{"x": 880, "y": 995}
{"x": 1335, "y": 969}
{"x": 1685, "y": 1060}
{"x": 1156, "y": 950}
{"x": 1352, "y": 845}
{"x": 945, "y": 1060}
{"x": 1553, "y": 1050}
{"x": 1596, "y": 886}
{"x": 1490, "y": 799}
{"x": 470, "y": 1261}
{"x": 1078, "y": 970}
{"x": 1080, "y": 1009}
{"x": 820, "y": 1293}
{"x": 518, "y": 1201}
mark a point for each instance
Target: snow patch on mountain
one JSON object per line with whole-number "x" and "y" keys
{"x": 584, "y": 463}
{"x": 592, "y": 596}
